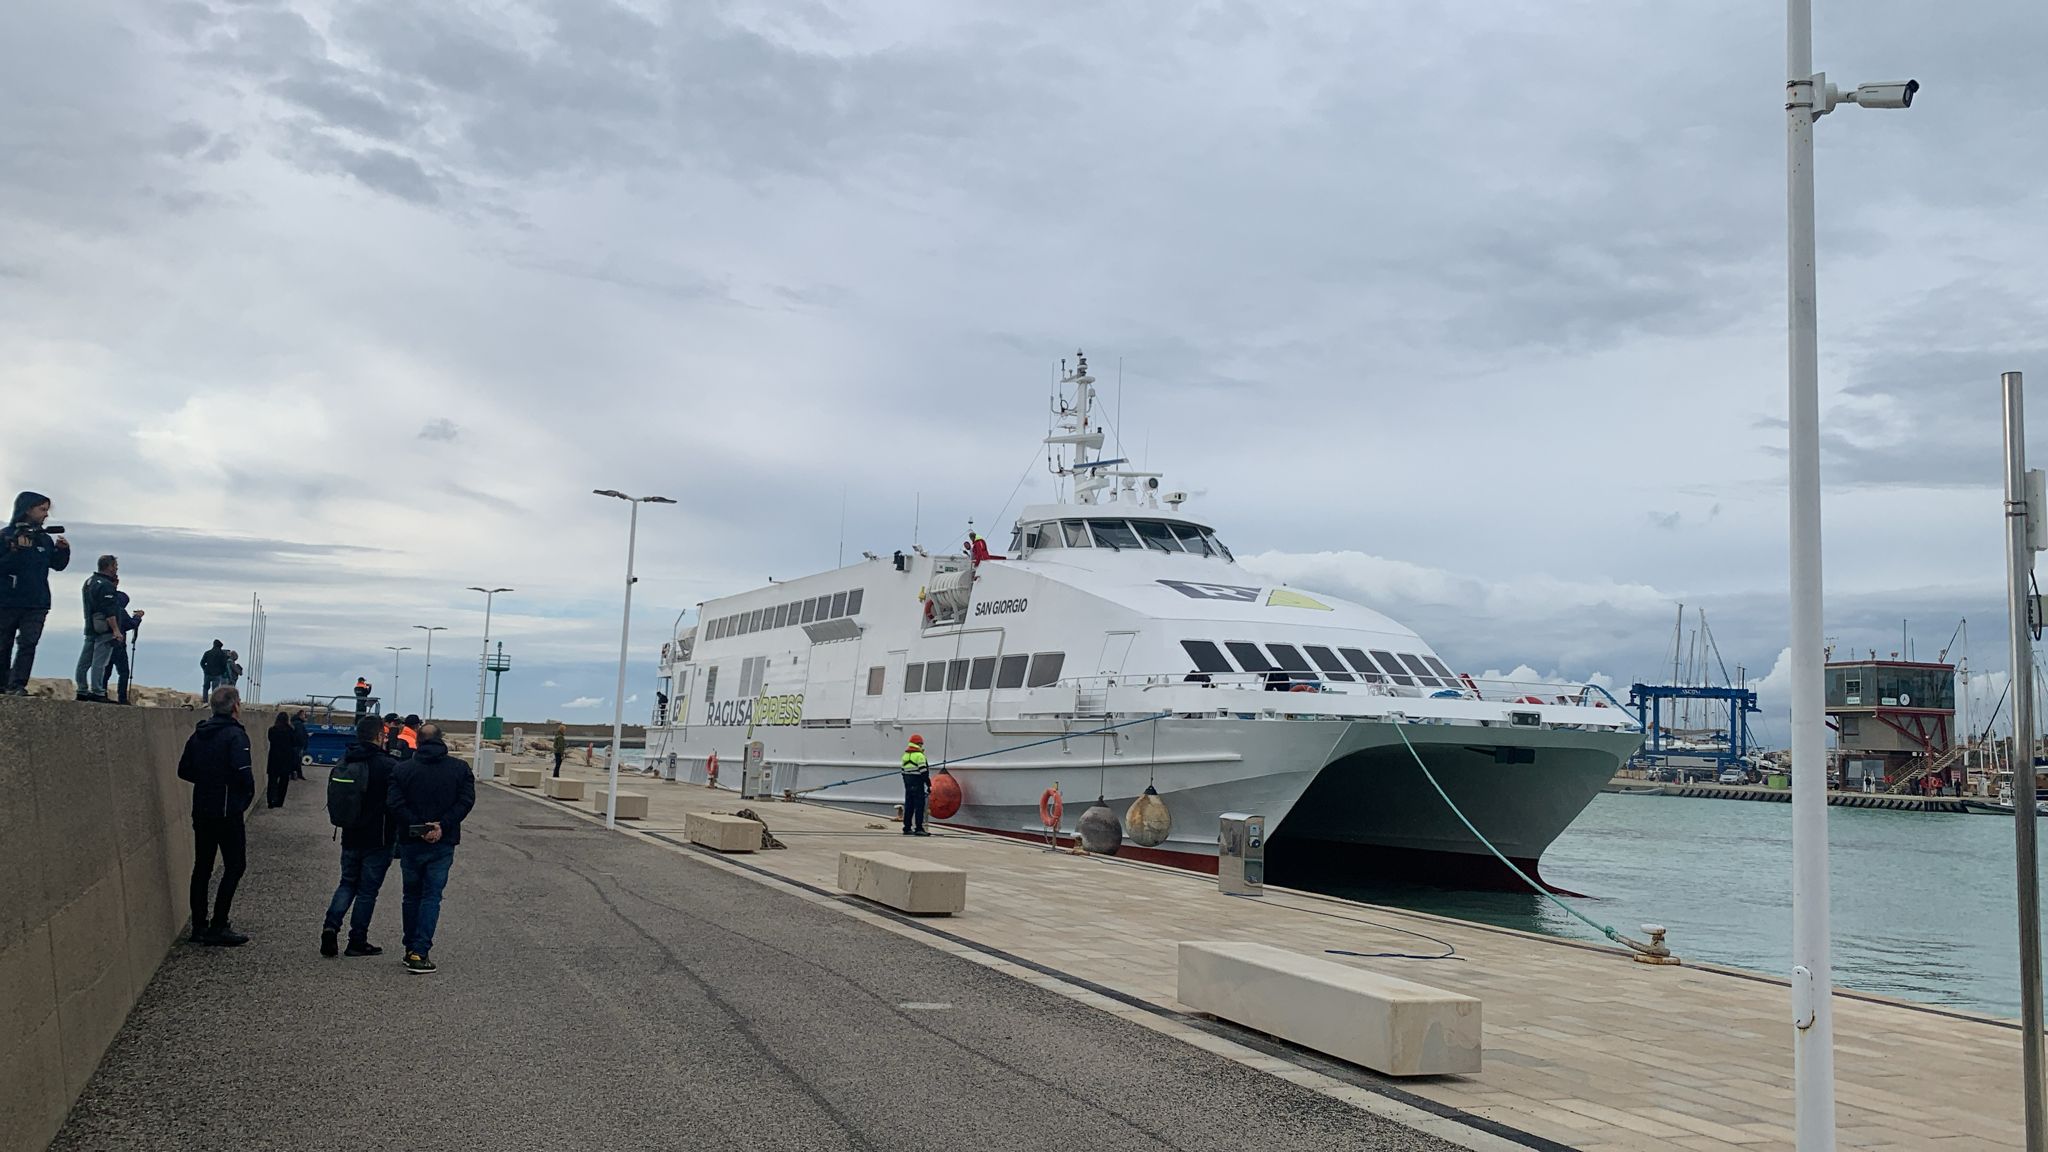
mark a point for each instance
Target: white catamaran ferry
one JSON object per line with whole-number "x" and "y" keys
{"x": 1117, "y": 646}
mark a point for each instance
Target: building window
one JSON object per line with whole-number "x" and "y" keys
{"x": 1851, "y": 729}
{"x": 781, "y": 616}
{"x": 913, "y": 677}
{"x": 810, "y": 611}
{"x": 1010, "y": 674}
{"x": 877, "y": 676}
{"x": 838, "y": 605}
{"x": 1045, "y": 669}
{"x": 982, "y": 675}
{"x": 853, "y": 601}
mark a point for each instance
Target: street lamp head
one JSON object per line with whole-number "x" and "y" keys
{"x": 611, "y": 492}
{"x": 488, "y": 591}
{"x": 658, "y": 500}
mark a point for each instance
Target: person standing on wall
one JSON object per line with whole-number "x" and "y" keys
{"x": 131, "y": 623}
{"x": 282, "y": 759}
{"x": 214, "y": 666}
{"x": 917, "y": 785}
{"x": 28, "y": 555}
{"x": 430, "y": 795}
{"x": 216, "y": 762}
{"x": 362, "y": 697}
{"x": 561, "y": 746}
{"x": 102, "y": 630}
{"x": 358, "y": 790}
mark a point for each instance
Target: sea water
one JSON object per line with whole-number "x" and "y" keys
{"x": 1923, "y": 903}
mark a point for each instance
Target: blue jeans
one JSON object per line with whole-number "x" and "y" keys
{"x": 362, "y": 874}
{"x": 93, "y": 661}
{"x": 424, "y": 868}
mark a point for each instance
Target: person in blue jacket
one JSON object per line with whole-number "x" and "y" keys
{"x": 27, "y": 557}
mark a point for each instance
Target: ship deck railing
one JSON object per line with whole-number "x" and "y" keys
{"x": 1255, "y": 695}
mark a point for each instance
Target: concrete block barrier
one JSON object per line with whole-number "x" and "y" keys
{"x": 1392, "y": 1026}
{"x": 526, "y": 777}
{"x": 722, "y": 833}
{"x": 632, "y": 805}
{"x": 562, "y": 788}
{"x": 904, "y": 883}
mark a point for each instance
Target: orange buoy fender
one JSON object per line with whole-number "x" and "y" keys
{"x": 944, "y": 802}
{"x": 711, "y": 769}
{"x": 1049, "y": 808}
{"x": 1148, "y": 821}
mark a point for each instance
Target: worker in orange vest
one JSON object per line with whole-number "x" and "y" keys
{"x": 362, "y": 697}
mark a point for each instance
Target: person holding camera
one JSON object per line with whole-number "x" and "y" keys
{"x": 430, "y": 794}
{"x": 102, "y": 630}
{"x": 30, "y": 549}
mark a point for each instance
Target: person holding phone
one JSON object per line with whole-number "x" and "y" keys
{"x": 430, "y": 795}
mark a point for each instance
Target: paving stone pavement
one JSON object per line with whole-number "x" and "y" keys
{"x": 1582, "y": 1046}
{"x": 605, "y": 992}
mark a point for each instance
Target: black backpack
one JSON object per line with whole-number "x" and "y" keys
{"x": 348, "y": 786}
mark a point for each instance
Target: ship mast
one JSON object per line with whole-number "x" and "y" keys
{"x": 1071, "y": 429}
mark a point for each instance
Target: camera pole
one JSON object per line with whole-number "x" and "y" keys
{"x": 2022, "y": 530}
{"x": 1808, "y": 96}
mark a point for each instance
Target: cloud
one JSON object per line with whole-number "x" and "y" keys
{"x": 440, "y": 428}
{"x": 583, "y": 702}
{"x": 549, "y": 684}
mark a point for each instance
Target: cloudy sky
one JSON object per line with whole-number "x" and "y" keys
{"x": 1475, "y": 312}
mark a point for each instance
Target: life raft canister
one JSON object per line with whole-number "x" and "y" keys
{"x": 711, "y": 769}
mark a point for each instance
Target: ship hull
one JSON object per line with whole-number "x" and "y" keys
{"x": 1344, "y": 800}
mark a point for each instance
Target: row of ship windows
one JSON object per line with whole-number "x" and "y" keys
{"x": 784, "y": 615}
{"x": 1403, "y": 668}
{"x": 1037, "y": 670}
{"x": 1117, "y": 535}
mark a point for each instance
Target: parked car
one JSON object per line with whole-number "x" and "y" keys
{"x": 1733, "y": 776}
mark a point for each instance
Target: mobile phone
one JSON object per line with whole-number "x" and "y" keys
{"x": 419, "y": 831}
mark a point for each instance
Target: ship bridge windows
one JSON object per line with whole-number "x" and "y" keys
{"x": 1438, "y": 667}
{"x": 1045, "y": 669}
{"x": 1115, "y": 534}
{"x": 1157, "y": 534}
{"x": 982, "y": 675}
{"x": 1010, "y": 672}
{"x": 1075, "y": 532}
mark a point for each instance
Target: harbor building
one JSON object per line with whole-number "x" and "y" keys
{"x": 1894, "y": 721}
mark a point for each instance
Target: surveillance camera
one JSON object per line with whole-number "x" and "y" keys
{"x": 1895, "y": 94}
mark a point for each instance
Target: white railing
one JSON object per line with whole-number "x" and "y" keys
{"x": 1533, "y": 692}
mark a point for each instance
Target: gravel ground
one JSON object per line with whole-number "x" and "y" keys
{"x": 597, "y": 991}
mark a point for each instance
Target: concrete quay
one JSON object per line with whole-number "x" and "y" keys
{"x": 1583, "y": 1048}
{"x": 617, "y": 992}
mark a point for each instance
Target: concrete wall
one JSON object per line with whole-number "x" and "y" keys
{"x": 95, "y": 860}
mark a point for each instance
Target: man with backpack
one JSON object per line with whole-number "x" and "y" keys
{"x": 357, "y": 789}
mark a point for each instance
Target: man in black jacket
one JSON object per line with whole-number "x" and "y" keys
{"x": 430, "y": 795}
{"x": 214, "y": 666}
{"x": 102, "y": 629}
{"x": 217, "y": 763}
{"x": 366, "y": 844}
{"x": 27, "y": 557}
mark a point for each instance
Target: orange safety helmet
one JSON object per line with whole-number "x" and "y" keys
{"x": 917, "y": 740}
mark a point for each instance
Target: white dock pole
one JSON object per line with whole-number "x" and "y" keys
{"x": 2019, "y": 561}
{"x": 1813, "y": 1046}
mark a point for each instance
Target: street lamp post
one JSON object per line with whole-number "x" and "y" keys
{"x": 427, "y": 686}
{"x": 483, "y": 763}
{"x": 395, "y": 649}
{"x": 611, "y": 799}
{"x": 1809, "y": 96}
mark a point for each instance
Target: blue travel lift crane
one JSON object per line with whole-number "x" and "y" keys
{"x": 1648, "y": 701}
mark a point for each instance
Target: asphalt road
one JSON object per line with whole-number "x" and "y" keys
{"x": 600, "y": 992}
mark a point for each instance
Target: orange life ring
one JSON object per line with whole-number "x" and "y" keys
{"x": 711, "y": 768}
{"x": 1050, "y": 808}
{"x": 1530, "y": 700}
{"x": 1303, "y": 688}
